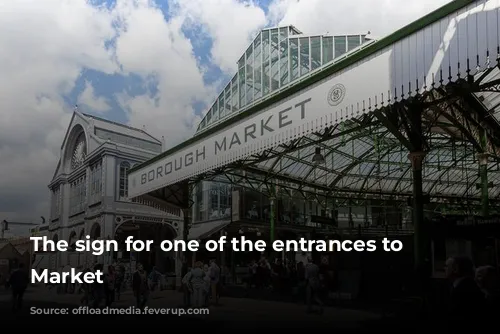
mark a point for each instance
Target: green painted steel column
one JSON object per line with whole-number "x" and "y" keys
{"x": 272, "y": 199}
{"x": 483, "y": 172}
{"x": 421, "y": 236}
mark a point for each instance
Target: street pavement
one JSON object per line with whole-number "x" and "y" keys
{"x": 231, "y": 313}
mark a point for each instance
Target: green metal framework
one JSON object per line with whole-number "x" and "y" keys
{"x": 367, "y": 157}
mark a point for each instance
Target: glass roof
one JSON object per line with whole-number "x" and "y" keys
{"x": 491, "y": 97}
{"x": 371, "y": 161}
{"x": 276, "y": 58}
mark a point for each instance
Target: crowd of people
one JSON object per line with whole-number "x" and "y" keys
{"x": 297, "y": 279}
{"x": 474, "y": 292}
{"x": 115, "y": 281}
{"x": 105, "y": 294}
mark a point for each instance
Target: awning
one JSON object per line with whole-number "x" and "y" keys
{"x": 205, "y": 230}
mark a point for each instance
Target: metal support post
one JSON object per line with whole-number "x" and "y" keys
{"x": 185, "y": 226}
{"x": 181, "y": 257}
{"x": 483, "y": 172}
{"x": 421, "y": 233}
{"x": 271, "y": 213}
{"x": 222, "y": 260}
{"x": 421, "y": 237}
{"x": 351, "y": 221}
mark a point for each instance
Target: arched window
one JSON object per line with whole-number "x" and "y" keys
{"x": 124, "y": 167}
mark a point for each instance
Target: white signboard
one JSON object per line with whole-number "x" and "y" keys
{"x": 425, "y": 59}
{"x": 324, "y": 105}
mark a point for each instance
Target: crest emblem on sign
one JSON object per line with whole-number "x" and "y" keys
{"x": 336, "y": 95}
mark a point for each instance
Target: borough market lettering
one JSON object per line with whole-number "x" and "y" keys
{"x": 250, "y": 132}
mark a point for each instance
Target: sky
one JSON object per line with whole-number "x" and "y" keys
{"x": 153, "y": 64}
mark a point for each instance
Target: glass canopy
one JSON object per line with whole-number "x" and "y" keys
{"x": 363, "y": 160}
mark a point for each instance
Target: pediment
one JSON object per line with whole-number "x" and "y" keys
{"x": 79, "y": 123}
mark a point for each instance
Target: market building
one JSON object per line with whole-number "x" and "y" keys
{"x": 331, "y": 136}
{"x": 89, "y": 195}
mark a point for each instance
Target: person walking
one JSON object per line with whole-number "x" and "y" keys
{"x": 187, "y": 289}
{"x": 197, "y": 283}
{"x": 86, "y": 289}
{"x": 313, "y": 285}
{"x": 467, "y": 301}
{"x": 214, "y": 281}
{"x": 208, "y": 285}
{"x": 98, "y": 289}
{"x": 119, "y": 280}
{"x": 18, "y": 281}
{"x": 110, "y": 285}
{"x": 140, "y": 287}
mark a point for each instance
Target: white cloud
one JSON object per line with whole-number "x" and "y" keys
{"x": 158, "y": 51}
{"x": 90, "y": 100}
{"x": 352, "y": 16}
{"x": 230, "y": 23}
{"x": 45, "y": 45}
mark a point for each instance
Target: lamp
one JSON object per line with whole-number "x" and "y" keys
{"x": 318, "y": 158}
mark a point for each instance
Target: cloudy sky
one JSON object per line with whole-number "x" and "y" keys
{"x": 152, "y": 63}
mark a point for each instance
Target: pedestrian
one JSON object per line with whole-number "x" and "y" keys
{"x": 187, "y": 288}
{"x": 140, "y": 286}
{"x": 86, "y": 289}
{"x": 214, "y": 281}
{"x": 119, "y": 281}
{"x": 110, "y": 286}
{"x": 197, "y": 283}
{"x": 98, "y": 289}
{"x": 19, "y": 282}
{"x": 313, "y": 285}
{"x": 208, "y": 284}
{"x": 467, "y": 301}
